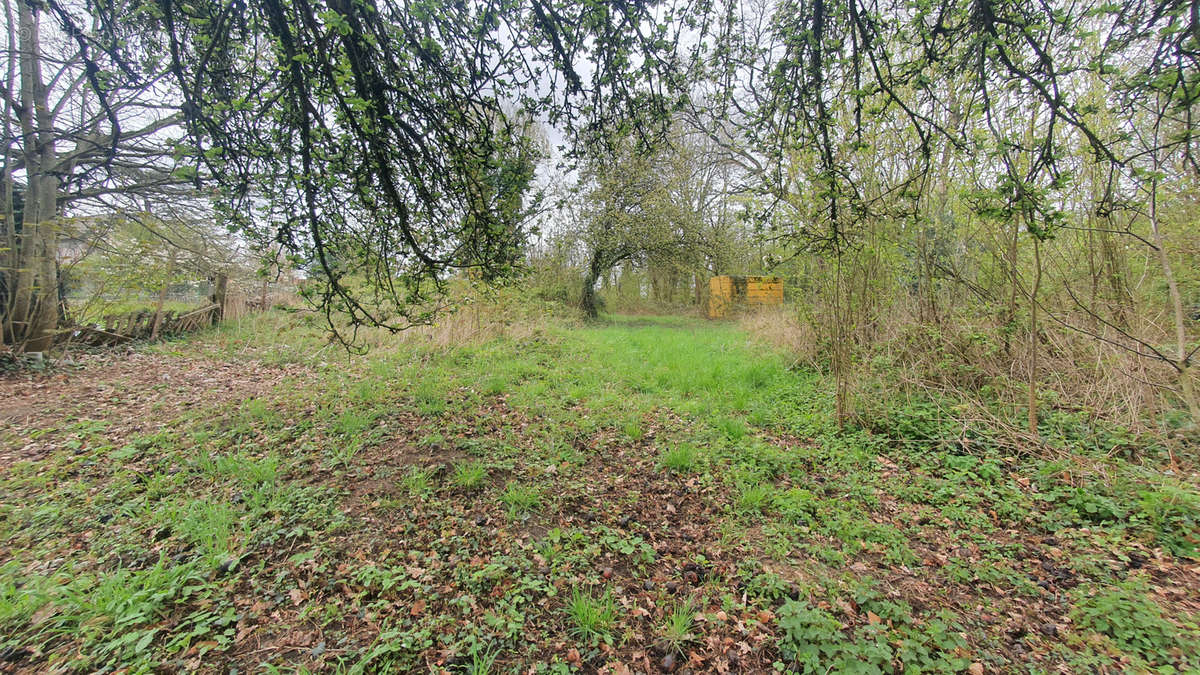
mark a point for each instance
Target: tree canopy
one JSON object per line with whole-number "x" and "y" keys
{"x": 384, "y": 144}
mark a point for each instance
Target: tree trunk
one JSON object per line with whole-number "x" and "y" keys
{"x": 162, "y": 296}
{"x": 1183, "y": 366}
{"x": 841, "y": 387}
{"x": 1010, "y": 314}
{"x": 8, "y": 206}
{"x": 587, "y": 299}
{"x": 34, "y": 281}
{"x": 220, "y": 294}
{"x": 1033, "y": 336}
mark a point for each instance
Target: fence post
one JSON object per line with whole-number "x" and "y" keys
{"x": 220, "y": 287}
{"x": 162, "y": 296}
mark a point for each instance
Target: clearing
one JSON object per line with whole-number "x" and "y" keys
{"x": 646, "y": 495}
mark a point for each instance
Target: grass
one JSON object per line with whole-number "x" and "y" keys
{"x": 754, "y": 498}
{"x": 470, "y": 475}
{"x": 521, "y": 500}
{"x": 676, "y": 631}
{"x": 592, "y": 618}
{"x": 418, "y": 482}
{"x": 638, "y": 486}
{"x": 680, "y": 459}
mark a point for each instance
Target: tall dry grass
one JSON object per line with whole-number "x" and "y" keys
{"x": 507, "y": 314}
{"x": 976, "y": 368}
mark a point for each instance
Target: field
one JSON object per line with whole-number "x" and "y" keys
{"x": 643, "y": 494}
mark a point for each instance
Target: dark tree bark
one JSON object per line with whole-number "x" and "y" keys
{"x": 587, "y": 299}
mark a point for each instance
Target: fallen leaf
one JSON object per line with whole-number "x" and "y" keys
{"x": 243, "y": 632}
{"x": 47, "y": 610}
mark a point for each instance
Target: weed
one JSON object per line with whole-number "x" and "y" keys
{"x": 1125, "y": 614}
{"x": 632, "y": 546}
{"x": 935, "y": 647}
{"x": 1094, "y": 507}
{"x": 796, "y": 505}
{"x": 766, "y": 585}
{"x": 343, "y": 454}
{"x": 812, "y": 638}
{"x": 482, "y": 662}
{"x": 1173, "y": 515}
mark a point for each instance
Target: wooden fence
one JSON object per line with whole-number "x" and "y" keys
{"x": 140, "y": 325}
{"x": 150, "y": 323}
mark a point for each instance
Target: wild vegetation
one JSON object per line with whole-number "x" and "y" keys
{"x": 476, "y": 423}
{"x": 647, "y": 493}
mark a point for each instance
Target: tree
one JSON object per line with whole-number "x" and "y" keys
{"x": 80, "y": 131}
{"x": 361, "y": 134}
{"x": 839, "y": 109}
{"x": 632, "y": 213}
